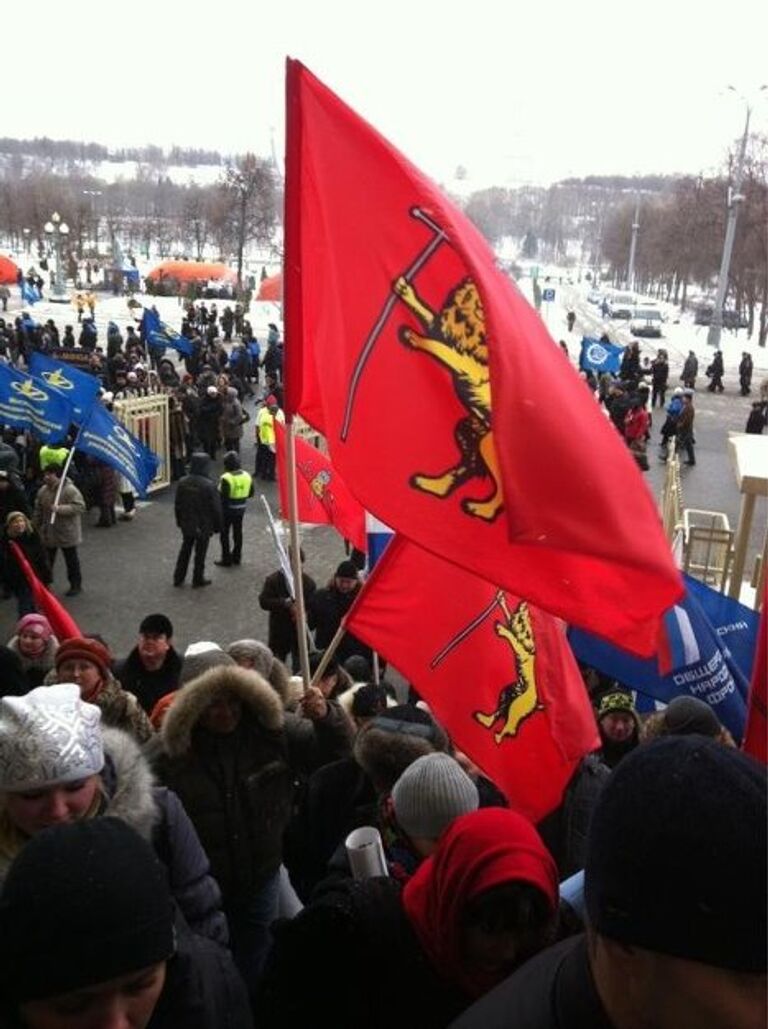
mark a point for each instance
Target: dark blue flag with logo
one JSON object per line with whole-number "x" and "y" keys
{"x": 159, "y": 335}
{"x": 599, "y": 356}
{"x": 29, "y": 403}
{"x": 80, "y": 388}
{"x": 708, "y": 651}
{"x": 102, "y": 436}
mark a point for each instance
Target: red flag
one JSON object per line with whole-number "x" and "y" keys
{"x": 497, "y": 672}
{"x": 63, "y": 624}
{"x": 756, "y": 734}
{"x": 399, "y": 328}
{"x": 323, "y": 499}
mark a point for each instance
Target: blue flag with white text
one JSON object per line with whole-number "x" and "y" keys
{"x": 30, "y": 404}
{"x": 159, "y": 335}
{"x": 80, "y": 388}
{"x": 103, "y": 437}
{"x": 701, "y": 653}
{"x": 600, "y": 356}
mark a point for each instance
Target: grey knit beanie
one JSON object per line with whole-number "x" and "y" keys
{"x": 199, "y": 657}
{"x": 430, "y": 793}
{"x": 253, "y": 650}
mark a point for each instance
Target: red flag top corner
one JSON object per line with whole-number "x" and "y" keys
{"x": 449, "y": 411}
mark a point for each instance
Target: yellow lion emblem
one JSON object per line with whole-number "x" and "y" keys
{"x": 520, "y": 699}
{"x": 455, "y": 336}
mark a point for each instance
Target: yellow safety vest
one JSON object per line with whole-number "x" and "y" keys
{"x": 239, "y": 485}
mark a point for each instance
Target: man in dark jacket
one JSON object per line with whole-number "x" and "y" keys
{"x": 153, "y": 667}
{"x": 198, "y": 516}
{"x": 676, "y": 904}
{"x": 276, "y": 598}
{"x": 329, "y": 606}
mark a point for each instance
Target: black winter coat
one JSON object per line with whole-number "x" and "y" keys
{"x": 198, "y": 504}
{"x": 148, "y": 687}
{"x": 35, "y": 553}
{"x": 361, "y": 964}
{"x": 273, "y": 597}
{"x": 554, "y": 990}
{"x": 324, "y": 615}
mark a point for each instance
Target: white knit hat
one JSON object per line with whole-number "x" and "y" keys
{"x": 48, "y": 736}
{"x": 430, "y": 794}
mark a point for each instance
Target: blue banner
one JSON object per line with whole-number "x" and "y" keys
{"x": 703, "y": 655}
{"x": 103, "y": 437}
{"x": 159, "y": 335}
{"x": 599, "y": 356}
{"x": 29, "y": 294}
{"x": 80, "y": 388}
{"x": 30, "y": 404}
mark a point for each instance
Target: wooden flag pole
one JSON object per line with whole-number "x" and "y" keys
{"x": 298, "y": 579}
{"x": 328, "y": 653}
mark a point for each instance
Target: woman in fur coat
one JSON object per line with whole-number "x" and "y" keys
{"x": 58, "y": 765}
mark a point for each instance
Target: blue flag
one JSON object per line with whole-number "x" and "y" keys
{"x": 31, "y": 404}
{"x": 80, "y": 388}
{"x": 29, "y": 294}
{"x": 702, "y": 652}
{"x": 103, "y": 437}
{"x": 599, "y": 356}
{"x": 159, "y": 335}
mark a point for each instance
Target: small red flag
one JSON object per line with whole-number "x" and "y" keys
{"x": 447, "y": 408}
{"x": 62, "y": 623}
{"x": 756, "y": 734}
{"x": 323, "y": 499}
{"x": 497, "y": 672}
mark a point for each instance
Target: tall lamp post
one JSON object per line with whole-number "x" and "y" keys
{"x": 56, "y": 230}
{"x": 93, "y": 193}
{"x": 735, "y": 197}
{"x": 633, "y": 245}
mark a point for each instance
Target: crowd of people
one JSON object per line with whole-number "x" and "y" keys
{"x": 173, "y": 851}
{"x": 174, "y": 820}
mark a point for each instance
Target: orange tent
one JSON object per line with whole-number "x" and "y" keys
{"x": 192, "y": 271}
{"x": 271, "y": 288}
{"x": 8, "y": 271}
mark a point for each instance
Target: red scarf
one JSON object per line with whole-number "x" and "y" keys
{"x": 478, "y": 851}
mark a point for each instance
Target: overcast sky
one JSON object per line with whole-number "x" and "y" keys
{"x": 513, "y": 91}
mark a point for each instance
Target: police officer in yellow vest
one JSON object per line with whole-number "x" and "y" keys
{"x": 235, "y": 487}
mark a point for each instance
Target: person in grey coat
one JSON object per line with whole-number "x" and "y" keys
{"x": 198, "y": 516}
{"x": 66, "y": 532}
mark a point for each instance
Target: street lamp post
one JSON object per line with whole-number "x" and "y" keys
{"x": 93, "y": 193}
{"x": 26, "y": 233}
{"x": 633, "y": 245}
{"x": 56, "y": 229}
{"x": 735, "y": 197}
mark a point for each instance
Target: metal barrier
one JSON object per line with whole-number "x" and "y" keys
{"x": 148, "y": 419}
{"x": 672, "y": 495}
{"x": 708, "y": 546}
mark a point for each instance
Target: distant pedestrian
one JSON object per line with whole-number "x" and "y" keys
{"x": 571, "y": 318}
{"x": 65, "y": 533}
{"x": 715, "y": 373}
{"x": 659, "y": 378}
{"x": 198, "y": 516}
{"x": 745, "y": 374}
{"x": 690, "y": 370}
{"x": 235, "y": 487}
{"x": 266, "y": 440}
{"x": 685, "y": 437}
{"x": 758, "y": 418}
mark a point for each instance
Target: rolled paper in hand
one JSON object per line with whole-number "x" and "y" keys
{"x": 366, "y": 853}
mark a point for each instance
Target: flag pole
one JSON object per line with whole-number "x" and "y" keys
{"x": 328, "y": 653}
{"x": 64, "y": 472}
{"x": 295, "y": 555}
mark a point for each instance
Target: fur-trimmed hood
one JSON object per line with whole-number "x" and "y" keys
{"x": 44, "y": 660}
{"x": 192, "y": 700}
{"x": 128, "y": 782}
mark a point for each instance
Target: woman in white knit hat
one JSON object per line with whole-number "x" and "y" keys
{"x": 58, "y": 765}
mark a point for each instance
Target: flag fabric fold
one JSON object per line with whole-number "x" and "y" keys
{"x": 450, "y": 413}
{"x": 29, "y": 403}
{"x": 80, "y": 388}
{"x": 497, "y": 672}
{"x": 160, "y": 335}
{"x": 323, "y": 498}
{"x": 102, "y": 436}
{"x": 705, "y": 658}
{"x": 63, "y": 624}
{"x": 756, "y": 732}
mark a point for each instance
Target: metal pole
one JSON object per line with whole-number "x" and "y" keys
{"x": 633, "y": 245}
{"x": 298, "y": 579}
{"x": 734, "y": 199}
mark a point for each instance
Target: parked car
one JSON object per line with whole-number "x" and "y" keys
{"x": 731, "y": 319}
{"x": 646, "y": 321}
{"x": 621, "y": 305}
{"x": 594, "y": 297}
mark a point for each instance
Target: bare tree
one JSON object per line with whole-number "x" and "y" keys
{"x": 249, "y": 187}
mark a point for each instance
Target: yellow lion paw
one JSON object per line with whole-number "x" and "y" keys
{"x": 485, "y": 509}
